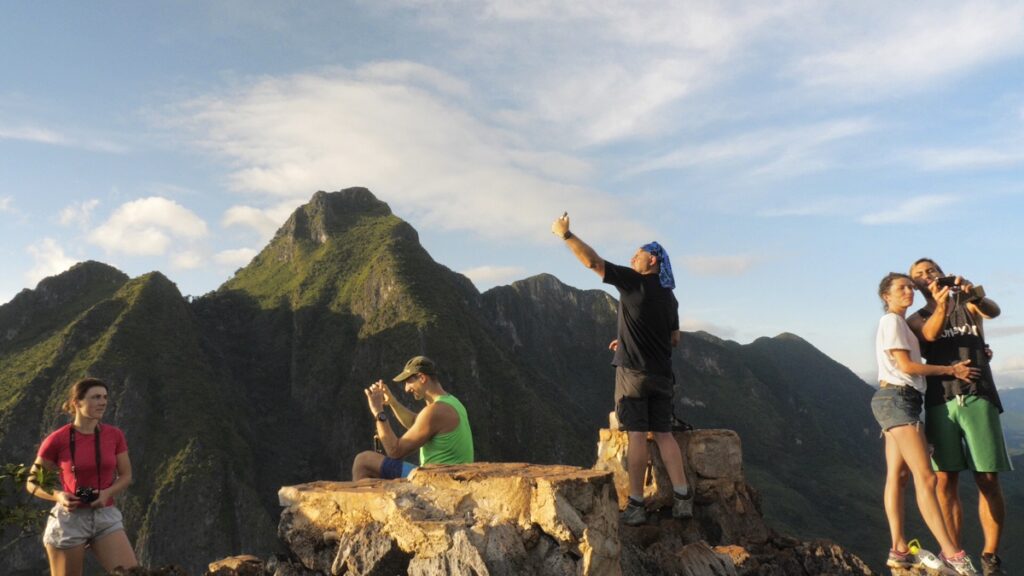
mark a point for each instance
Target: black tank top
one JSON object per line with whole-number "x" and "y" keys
{"x": 961, "y": 339}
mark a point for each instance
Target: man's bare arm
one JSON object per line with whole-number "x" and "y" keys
{"x": 583, "y": 252}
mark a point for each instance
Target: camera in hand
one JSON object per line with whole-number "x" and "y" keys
{"x": 86, "y": 494}
{"x": 949, "y": 281}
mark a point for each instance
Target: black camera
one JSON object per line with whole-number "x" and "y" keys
{"x": 949, "y": 281}
{"x": 87, "y": 495}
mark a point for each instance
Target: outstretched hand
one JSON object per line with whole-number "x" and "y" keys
{"x": 383, "y": 387}
{"x": 561, "y": 225}
{"x": 961, "y": 371}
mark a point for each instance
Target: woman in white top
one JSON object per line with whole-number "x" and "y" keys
{"x": 897, "y": 407}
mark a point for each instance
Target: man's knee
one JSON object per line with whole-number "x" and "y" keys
{"x": 948, "y": 483}
{"x": 988, "y": 483}
{"x": 366, "y": 465}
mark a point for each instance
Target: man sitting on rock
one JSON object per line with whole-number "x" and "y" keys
{"x": 440, "y": 431}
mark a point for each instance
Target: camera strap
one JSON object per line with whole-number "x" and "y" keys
{"x": 74, "y": 469}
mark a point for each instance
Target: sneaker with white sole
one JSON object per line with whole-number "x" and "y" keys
{"x": 960, "y": 563}
{"x": 899, "y": 559}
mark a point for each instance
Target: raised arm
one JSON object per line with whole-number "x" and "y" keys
{"x": 583, "y": 252}
{"x": 432, "y": 420}
{"x": 404, "y": 415}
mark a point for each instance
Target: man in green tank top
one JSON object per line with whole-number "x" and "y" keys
{"x": 440, "y": 431}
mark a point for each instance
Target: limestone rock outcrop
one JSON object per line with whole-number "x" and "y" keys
{"x": 488, "y": 518}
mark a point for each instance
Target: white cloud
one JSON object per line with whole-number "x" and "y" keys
{"x": 40, "y": 135}
{"x": 784, "y": 151}
{"x": 293, "y": 135}
{"x": 265, "y": 221}
{"x": 813, "y": 207}
{"x": 79, "y": 213}
{"x": 912, "y": 47}
{"x": 736, "y": 265}
{"x": 187, "y": 260}
{"x": 148, "y": 227}
{"x": 49, "y": 258}
{"x": 494, "y": 275}
{"x": 235, "y": 258}
{"x": 968, "y": 158}
{"x": 6, "y": 204}
{"x": 913, "y": 210}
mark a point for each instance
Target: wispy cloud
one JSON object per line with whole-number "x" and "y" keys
{"x": 913, "y": 210}
{"x": 264, "y": 221}
{"x": 968, "y": 158}
{"x": 6, "y": 204}
{"x": 79, "y": 213}
{"x": 293, "y": 135}
{"x": 813, "y": 207}
{"x": 148, "y": 227}
{"x": 912, "y": 47}
{"x": 49, "y": 259}
{"x": 487, "y": 276}
{"x": 783, "y": 151}
{"x": 50, "y": 137}
{"x": 702, "y": 265}
{"x": 236, "y": 257}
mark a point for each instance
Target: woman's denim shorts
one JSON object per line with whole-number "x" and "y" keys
{"x": 897, "y": 406}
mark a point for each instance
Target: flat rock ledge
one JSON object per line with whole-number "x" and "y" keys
{"x": 483, "y": 519}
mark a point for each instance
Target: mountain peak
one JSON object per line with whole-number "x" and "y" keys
{"x": 331, "y": 213}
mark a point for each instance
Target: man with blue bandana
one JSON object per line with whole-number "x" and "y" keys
{"x": 648, "y": 329}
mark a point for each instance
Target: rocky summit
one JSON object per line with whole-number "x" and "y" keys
{"x": 228, "y": 396}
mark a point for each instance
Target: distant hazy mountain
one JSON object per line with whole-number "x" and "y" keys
{"x": 258, "y": 384}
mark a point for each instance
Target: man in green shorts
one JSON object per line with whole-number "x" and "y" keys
{"x": 440, "y": 431}
{"x": 962, "y": 418}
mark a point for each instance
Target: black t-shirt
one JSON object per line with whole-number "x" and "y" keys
{"x": 960, "y": 339}
{"x": 648, "y": 314}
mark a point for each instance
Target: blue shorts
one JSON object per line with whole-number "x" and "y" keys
{"x": 390, "y": 469}
{"x": 897, "y": 406}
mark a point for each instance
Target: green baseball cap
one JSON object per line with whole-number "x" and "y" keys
{"x": 417, "y": 365}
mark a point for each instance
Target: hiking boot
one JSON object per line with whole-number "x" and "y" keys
{"x": 682, "y": 508}
{"x": 959, "y": 563}
{"x": 992, "y": 565}
{"x": 682, "y": 504}
{"x": 899, "y": 559}
{"x": 634, "y": 515}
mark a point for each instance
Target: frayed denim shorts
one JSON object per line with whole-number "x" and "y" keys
{"x": 897, "y": 406}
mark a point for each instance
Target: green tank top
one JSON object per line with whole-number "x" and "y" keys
{"x": 455, "y": 447}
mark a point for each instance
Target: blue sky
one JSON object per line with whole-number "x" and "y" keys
{"x": 788, "y": 156}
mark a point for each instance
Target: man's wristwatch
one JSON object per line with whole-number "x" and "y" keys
{"x": 567, "y": 235}
{"x": 382, "y": 416}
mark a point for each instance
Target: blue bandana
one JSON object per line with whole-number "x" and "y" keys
{"x": 665, "y": 266}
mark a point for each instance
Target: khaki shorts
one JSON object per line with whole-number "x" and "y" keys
{"x": 66, "y": 529}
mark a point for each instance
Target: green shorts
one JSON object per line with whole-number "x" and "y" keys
{"x": 966, "y": 435}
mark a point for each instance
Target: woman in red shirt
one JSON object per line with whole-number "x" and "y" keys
{"x": 93, "y": 464}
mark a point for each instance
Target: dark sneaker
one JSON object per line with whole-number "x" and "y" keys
{"x": 682, "y": 508}
{"x": 634, "y": 515}
{"x": 992, "y": 565}
{"x": 960, "y": 563}
{"x": 901, "y": 559}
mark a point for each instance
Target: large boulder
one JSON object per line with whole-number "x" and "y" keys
{"x": 725, "y": 506}
{"x": 486, "y": 518}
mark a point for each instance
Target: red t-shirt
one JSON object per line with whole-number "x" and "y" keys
{"x": 56, "y": 448}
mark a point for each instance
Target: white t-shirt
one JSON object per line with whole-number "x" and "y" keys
{"x": 895, "y": 334}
